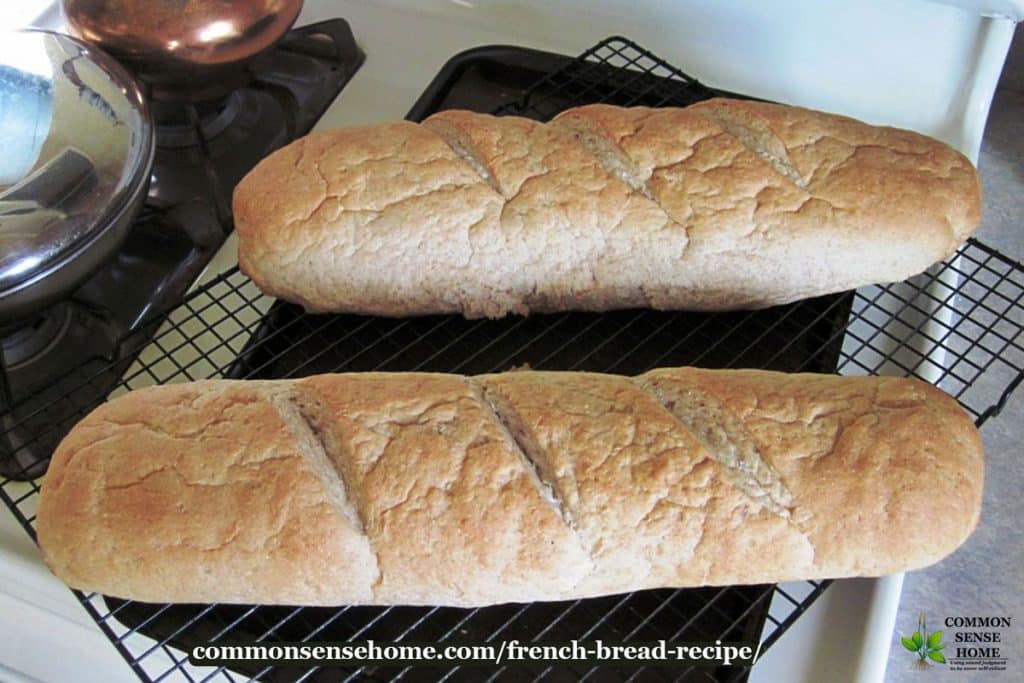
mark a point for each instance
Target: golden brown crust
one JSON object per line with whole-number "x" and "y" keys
{"x": 857, "y": 456}
{"x": 441, "y": 488}
{"x": 197, "y": 493}
{"x": 650, "y": 501}
{"x": 723, "y": 204}
{"x": 411, "y": 488}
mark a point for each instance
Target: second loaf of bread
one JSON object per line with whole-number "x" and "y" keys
{"x": 447, "y": 490}
{"x": 724, "y": 204}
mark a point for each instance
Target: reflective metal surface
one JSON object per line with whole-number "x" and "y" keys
{"x": 81, "y": 346}
{"x": 83, "y": 146}
{"x": 26, "y": 109}
{"x": 187, "y": 49}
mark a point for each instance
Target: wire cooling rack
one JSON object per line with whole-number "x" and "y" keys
{"x": 952, "y": 326}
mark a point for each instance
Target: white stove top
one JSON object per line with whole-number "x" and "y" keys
{"x": 916, "y": 64}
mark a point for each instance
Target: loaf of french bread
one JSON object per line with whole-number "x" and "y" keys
{"x": 721, "y": 205}
{"x": 431, "y": 489}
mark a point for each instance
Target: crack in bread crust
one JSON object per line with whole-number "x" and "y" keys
{"x": 729, "y": 444}
{"x": 527, "y": 450}
{"x": 462, "y": 148}
{"x": 611, "y": 156}
{"x": 756, "y": 137}
{"x": 301, "y": 408}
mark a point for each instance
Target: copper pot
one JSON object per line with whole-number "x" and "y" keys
{"x": 190, "y": 50}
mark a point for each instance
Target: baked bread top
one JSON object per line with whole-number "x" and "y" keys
{"x": 724, "y": 204}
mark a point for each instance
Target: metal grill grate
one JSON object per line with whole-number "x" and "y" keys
{"x": 929, "y": 327}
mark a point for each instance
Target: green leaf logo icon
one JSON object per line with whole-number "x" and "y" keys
{"x": 927, "y": 646}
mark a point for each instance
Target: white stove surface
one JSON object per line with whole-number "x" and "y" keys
{"x": 916, "y": 64}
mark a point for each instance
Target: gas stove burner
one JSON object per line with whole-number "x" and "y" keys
{"x": 83, "y": 345}
{"x": 24, "y": 340}
{"x": 205, "y": 157}
{"x": 186, "y": 125}
{"x": 204, "y": 149}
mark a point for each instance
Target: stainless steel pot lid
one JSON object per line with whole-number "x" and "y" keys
{"x": 77, "y": 146}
